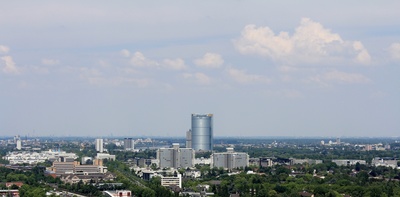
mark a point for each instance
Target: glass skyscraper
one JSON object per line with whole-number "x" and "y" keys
{"x": 202, "y": 132}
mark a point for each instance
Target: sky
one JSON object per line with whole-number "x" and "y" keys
{"x": 141, "y": 68}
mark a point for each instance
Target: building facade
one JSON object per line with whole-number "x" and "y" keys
{"x": 99, "y": 145}
{"x": 172, "y": 181}
{"x": 202, "y": 132}
{"x": 189, "y": 139}
{"x": 129, "y": 144}
{"x": 230, "y": 159}
{"x": 175, "y": 157}
{"x": 348, "y": 162}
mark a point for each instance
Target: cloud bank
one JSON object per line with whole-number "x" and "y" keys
{"x": 310, "y": 43}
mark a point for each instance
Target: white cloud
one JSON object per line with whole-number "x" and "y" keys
{"x": 4, "y": 49}
{"x": 362, "y": 53}
{"x": 200, "y": 78}
{"x": 210, "y": 60}
{"x": 50, "y": 61}
{"x": 9, "y": 65}
{"x": 125, "y": 53}
{"x": 242, "y": 77}
{"x": 174, "y": 64}
{"x": 310, "y": 43}
{"x": 117, "y": 81}
{"x": 138, "y": 59}
{"x": 394, "y": 51}
{"x": 339, "y": 77}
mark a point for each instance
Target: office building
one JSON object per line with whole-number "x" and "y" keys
{"x": 189, "y": 139}
{"x": 175, "y": 157}
{"x": 99, "y": 145}
{"x": 129, "y": 144}
{"x": 230, "y": 159}
{"x": 202, "y": 132}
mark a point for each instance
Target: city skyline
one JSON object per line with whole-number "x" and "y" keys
{"x": 276, "y": 68}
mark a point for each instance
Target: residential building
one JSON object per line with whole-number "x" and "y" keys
{"x": 230, "y": 159}
{"x": 129, "y": 144}
{"x": 175, "y": 157}
{"x": 99, "y": 145}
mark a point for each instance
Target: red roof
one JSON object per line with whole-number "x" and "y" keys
{"x": 9, "y": 184}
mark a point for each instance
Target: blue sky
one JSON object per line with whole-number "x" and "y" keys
{"x": 263, "y": 68}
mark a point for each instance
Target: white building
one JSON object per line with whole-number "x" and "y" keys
{"x": 175, "y": 157}
{"x": 19, "y": 144}
{"x": 25, "y": 157}
{"x": 345, "y": 162}
{"x": 102, "y": 156}
{"x": 99, "y": 145}
{"x": 202, "y": 161}
{"x": 302, "y": 161}
{"x": 172, "y": 180}
{"x": 229, "y": 159}
{"x": 118, "y": 193}
{"x": 387, "y": 162}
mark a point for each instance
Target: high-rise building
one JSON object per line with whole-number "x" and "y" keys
{"x": 19, "y": 144}
{"x": 230, "y": 159}
{"x": 189, "y": 139}
{"x": 202, "y": 132}
{"x": 175, "y": 157}
{"x": 129, "y": 144}
{"x": 99, "y": 145}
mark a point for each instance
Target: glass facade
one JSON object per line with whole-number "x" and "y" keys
{"x": 202, "y": 132}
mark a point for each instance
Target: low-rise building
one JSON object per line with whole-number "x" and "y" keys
{"x": 118, "y": 193}
{"x": 387, "y": 162}
{"x": 172, "y": 181}
{"x": 88, "y": 178}
{"x": 302, "y": 161}
{"x": 102, "y": 156}
{"x": 345, "y": 162}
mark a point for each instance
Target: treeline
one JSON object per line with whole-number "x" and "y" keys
{"x": 326, "y": 179}
{"x": 321, "y": 153}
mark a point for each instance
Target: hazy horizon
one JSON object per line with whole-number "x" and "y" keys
{"x": 263, "y": 68}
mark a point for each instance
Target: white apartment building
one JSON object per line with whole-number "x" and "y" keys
{"x": 99, "y": 145}
{"x": 229, "y": 159}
